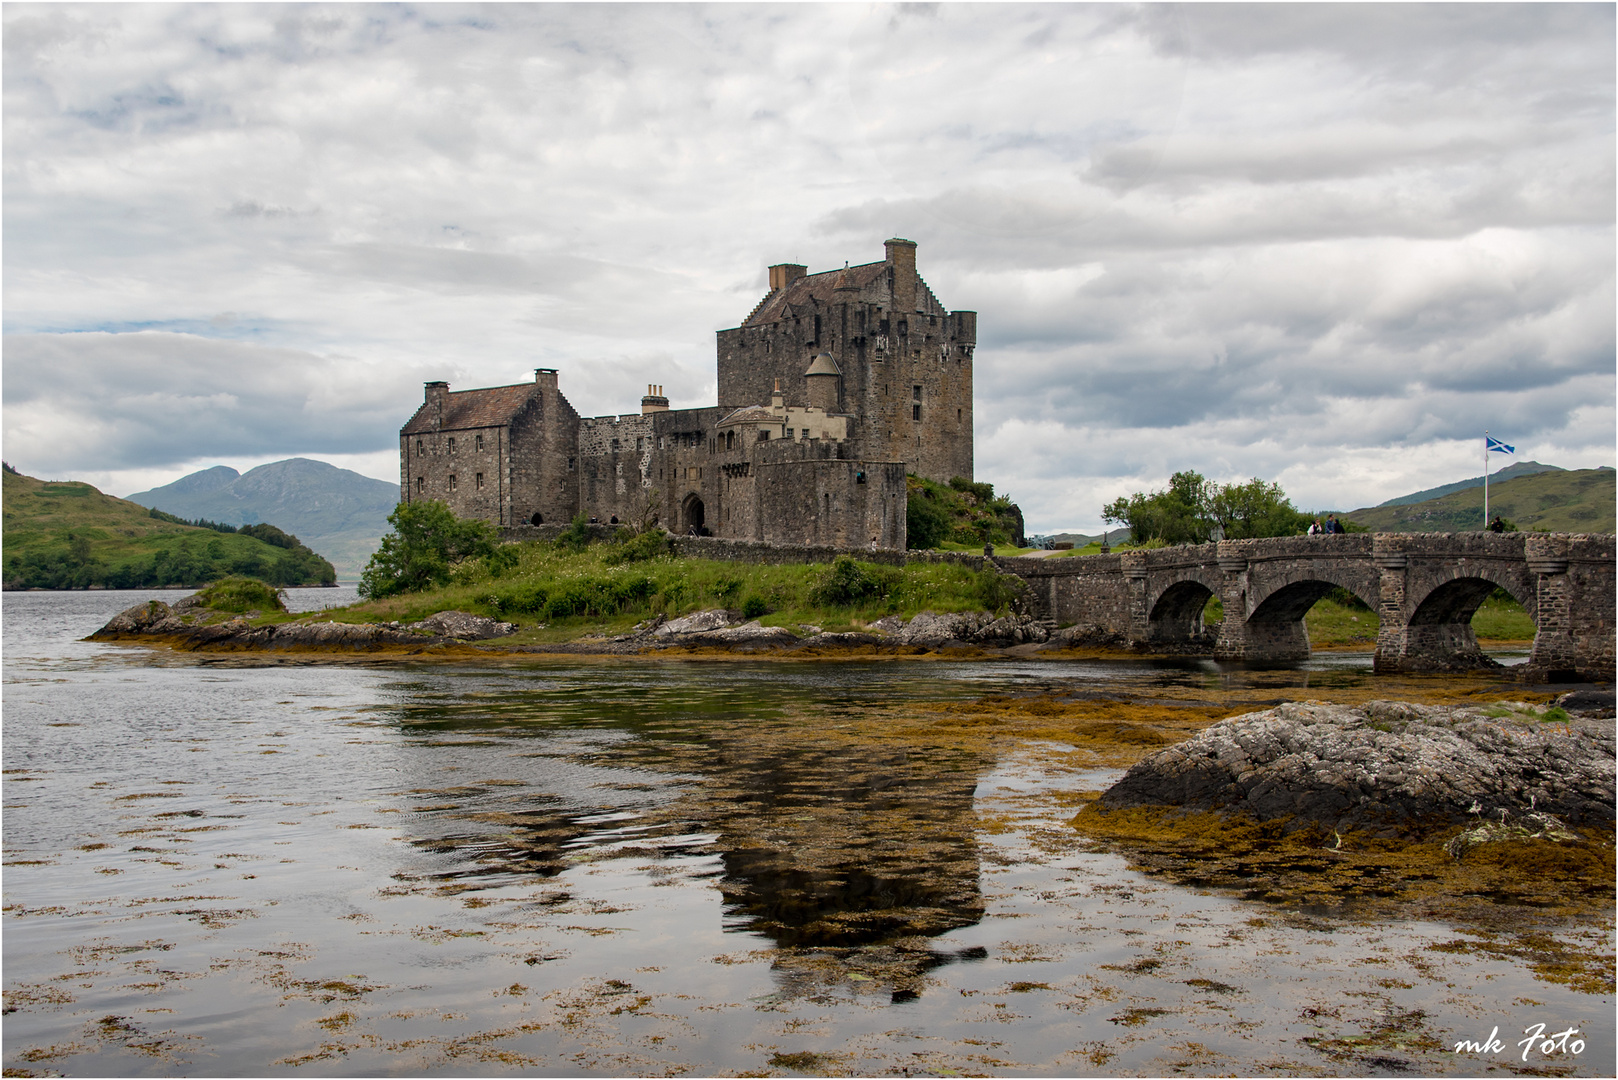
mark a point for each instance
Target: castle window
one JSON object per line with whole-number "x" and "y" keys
{"x": 421, "y": 485}
{"x": 957, "y": 416}
{"x": 571, "y": 464}
{"x": 904, "y": 327}
{"x": 480, "y": 482}
{"x": 915, "y": 403}
{"x": 419, "y": 448}
{"x": 763, "y": 435}
{"x": 452, "y": 481}
{"x": 640, "y": 443}
{"x": 479, "y": 446}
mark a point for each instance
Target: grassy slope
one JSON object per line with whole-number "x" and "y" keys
{"x": 44, "y": 516}
{"x": 1580, "y": 500}
{"x": 675, "y": 587}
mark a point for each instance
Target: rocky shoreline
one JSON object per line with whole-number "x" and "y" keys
{"x": 189, "y": 625}
{"x": 1392, "y": 768}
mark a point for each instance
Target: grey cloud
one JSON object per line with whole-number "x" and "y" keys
{"x": 152, "y": 398}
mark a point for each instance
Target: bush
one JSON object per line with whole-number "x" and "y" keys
{"x": 576, "y": 537}
{"x": 848, "y": 583}
{"x": 241, "y": 594}
{"x": 999, "y": 591}
{"x": 754, "y": 608}
{"x": 926, "y": 522}
{"x": 638, "y": 548}
{"x": 428, "y": 541}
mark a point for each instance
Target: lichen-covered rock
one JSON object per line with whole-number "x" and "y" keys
{"x": 752, "y": 633}
{"x": 695, "y": 623}
{"x": 463, "y": 626}
{"x": 931, "y": 629}
{"x": 151, "y": 617}
{"x": 1385, "y": 765}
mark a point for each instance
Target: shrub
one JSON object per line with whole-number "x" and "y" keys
{"x": 638, "y": 548}
{"x": 998, "y": 591}
{"x": 754, "y": 607}
{"x": 241, "y": 594}
{"x": 926, "y": 522}
{"x": 427, "y": 542}
{"x": 576, "y": 537}
{"x": 848, "y": 582}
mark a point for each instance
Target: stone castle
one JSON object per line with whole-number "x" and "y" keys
{"x": 835, "y": 387}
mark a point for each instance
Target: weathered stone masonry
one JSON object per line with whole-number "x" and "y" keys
{"x": 834, "y": 387}
{"x": 1425, "y": 588}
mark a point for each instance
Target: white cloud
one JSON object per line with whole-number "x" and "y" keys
{"x": 1326, "y": 244}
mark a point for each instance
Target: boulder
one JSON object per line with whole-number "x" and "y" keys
{"x": 463, "y": 626}
{"x": 752, "y": 633}
{"x": 695, "y": 623}
{"x": 932, "y": 630}
{"x": 151, "y": 617}
{"x": 1389, "y": 766}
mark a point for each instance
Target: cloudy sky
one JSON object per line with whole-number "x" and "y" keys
{"x": 1318, "y": 244}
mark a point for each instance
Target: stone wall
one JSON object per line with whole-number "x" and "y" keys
{"x": 1425, "y": 588}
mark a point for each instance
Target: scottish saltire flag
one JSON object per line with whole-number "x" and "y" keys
{"x": 1491, "y": 444}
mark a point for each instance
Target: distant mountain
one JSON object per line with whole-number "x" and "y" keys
{"x": 68, "y": 535}
{"x": 337, "y": 512}
{"x": 1510, "y": 472}
{"x": 1550, "y": 500}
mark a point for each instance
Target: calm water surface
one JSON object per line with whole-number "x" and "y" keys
{"x": 220, "y": 866}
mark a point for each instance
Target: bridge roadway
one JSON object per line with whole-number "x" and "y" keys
{"x": 1424, "y": 587}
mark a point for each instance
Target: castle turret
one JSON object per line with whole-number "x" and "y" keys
{"x": 825, "y": 379}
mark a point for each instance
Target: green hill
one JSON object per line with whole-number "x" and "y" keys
{"x": 1510, "y": 472}
{"x": 338, "y": 513}
{"x": 1580, "y": 500}
{"x": 68, "y": 535}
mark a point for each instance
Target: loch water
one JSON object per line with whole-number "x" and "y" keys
{"x": 230, "y": 865}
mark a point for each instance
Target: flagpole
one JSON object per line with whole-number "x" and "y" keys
{"x": 1485, "y": 479}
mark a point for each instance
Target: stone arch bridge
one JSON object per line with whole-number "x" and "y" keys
{"x": 1425, "y": 588}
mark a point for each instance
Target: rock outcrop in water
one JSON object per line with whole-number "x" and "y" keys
{"x": 1387, "y": 766}
{"x": 194, "y": 626}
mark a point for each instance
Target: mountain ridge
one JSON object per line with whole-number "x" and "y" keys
{"x": 337, "y": 512}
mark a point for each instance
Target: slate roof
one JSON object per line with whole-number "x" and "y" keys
{"x": 463, "y": 409}
{"x": 823, "y": 365}
{"x": 811, "y": 289}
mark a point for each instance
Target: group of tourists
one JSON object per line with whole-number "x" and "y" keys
{"x": 1327, "y": 528}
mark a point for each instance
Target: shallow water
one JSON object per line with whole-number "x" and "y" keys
{"x": 229, "y": 866}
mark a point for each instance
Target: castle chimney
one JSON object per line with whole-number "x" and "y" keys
{"x": 654, "y": 401}
{"x": 902, "y": 260}
{"x": 545, "y": 377}
{"x": 785, "y": 274}
{"x": 778, "y": 400}
{"x": 436, "y": 393}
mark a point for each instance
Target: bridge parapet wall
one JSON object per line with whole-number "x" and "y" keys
{"x": 1425, "y": 588}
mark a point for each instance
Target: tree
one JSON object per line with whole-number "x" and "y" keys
{"x": 926, "y": 523}
{"x": 1193, "y": 510}
{"x": 426, "y": 543}
{"x": 1175, "y": 516}
{"x": 1254, "y": 509}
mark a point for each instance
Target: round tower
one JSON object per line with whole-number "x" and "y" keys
{"x": 825, "y": 383}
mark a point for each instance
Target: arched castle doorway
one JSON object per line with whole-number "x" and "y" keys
{"x": 691, "y": 515}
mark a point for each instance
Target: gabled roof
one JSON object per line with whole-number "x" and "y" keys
{"x": 463, "y": 409}
{"x": 812, "y": 291}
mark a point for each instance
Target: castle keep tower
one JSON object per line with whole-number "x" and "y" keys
{"x": 835, "y": 387}
{"x": 904, "y": 363}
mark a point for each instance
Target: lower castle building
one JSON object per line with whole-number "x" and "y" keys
{"x": 833, "y": 389}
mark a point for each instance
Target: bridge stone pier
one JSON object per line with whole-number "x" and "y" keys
{"x": 1424, "y": 587}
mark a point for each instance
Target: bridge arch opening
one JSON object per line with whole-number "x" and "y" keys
{"x": 1440, "y": 628}
{"x": 1276, "y": 630}
{"x": 1178, "y": 613}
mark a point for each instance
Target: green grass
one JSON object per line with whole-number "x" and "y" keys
{"x": 69, "y": 535}
{"x": 1336, "y": 625}
{"x": 554, "y": 595}
{"x": 1005, "y": 551}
